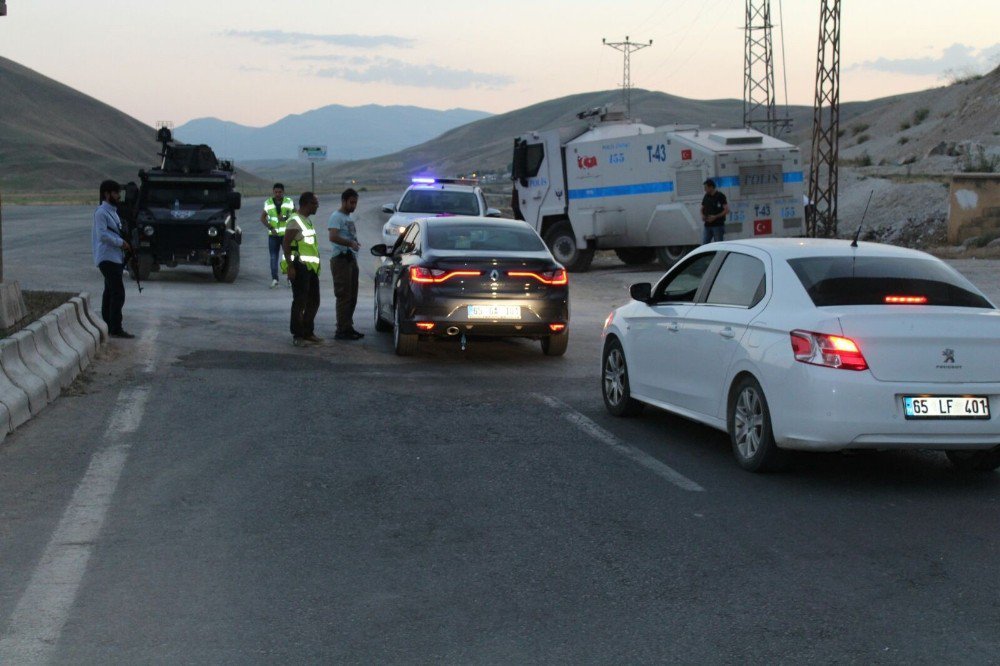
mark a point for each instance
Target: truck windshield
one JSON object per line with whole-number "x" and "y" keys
{"x": 877, "y": 280}
{"x": 440, "y": 201}
{"x": 486, "y": 237}
{"x": 165, "y": 194}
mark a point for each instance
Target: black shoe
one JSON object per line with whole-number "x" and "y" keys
{"x": 348, "y": 335}
{"x": 357, "y": 334}
{"x": 122, "y": 334}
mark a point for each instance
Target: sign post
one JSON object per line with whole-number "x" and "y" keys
{"x": 313, "y": 154}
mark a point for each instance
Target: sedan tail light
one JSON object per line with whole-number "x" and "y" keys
{"x": 425, "y": 275}
{"x": 557, "y": 277}
{"x": 832, "y": 351}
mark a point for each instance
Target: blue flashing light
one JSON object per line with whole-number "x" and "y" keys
{"x": 423, "y": 181}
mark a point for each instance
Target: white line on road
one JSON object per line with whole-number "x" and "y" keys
{"x": 597, "y": 432}
{"x": 37, "y": 622}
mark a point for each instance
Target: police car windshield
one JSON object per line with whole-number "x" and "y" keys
{"x": 483, "y": 237}
{"x": 439, "y": 201}
{"x": 167, "y": 193}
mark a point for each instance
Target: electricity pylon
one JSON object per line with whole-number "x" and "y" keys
{"x": 627, "y": 47}
{"x": 826, "y": 125}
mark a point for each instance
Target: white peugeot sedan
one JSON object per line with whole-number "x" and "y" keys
{"x": 814, "y": 345}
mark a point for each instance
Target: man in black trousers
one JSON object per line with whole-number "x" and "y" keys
{"x": 110, "y": 246}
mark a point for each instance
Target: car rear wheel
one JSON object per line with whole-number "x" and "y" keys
{"x": 750, "y": 428}
{"x": 405, "y": 344}
{"x": 381, "y": 325}
{"x": 614, "y": 382}
{"x": 636, "y": 255}
{"x": 671, "y": 254}
{"x": 975, "y": 461}
{"x": 562, "y": 243}
{"x": 555, "y": 345}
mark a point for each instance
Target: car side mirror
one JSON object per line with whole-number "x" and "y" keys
{"x": 493, "y": 212}
{"x": 380, "y": 250}
{"x": 389, "y": 208}
{"x": 235, "y": 200}
{"x": 641, "y": 291}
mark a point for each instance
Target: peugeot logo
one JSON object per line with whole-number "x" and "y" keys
{"x": 494, "y": 275}
{"x": 949, "y": 355}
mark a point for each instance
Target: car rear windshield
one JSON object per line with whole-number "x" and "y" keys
{"x": 486, "y": 237}
{"x": 439, "y": 201}
{"x": 880, "y": 280}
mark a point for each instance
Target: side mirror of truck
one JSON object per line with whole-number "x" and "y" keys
{"x": 235, "y": 200}
{"x": 380, "y": 250}
{"x": 389, "y": 208}
{"x": 641, "y": 291}
{"x": 493, "y": 212}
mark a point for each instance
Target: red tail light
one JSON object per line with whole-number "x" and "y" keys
{"x": 906, "y": 300}
{"x": 436, "y": 275}
{"x": 557, "y": 277}
{"x": 425, "y": 325}
{"x": 556, "y": 328}
{"x": 832, "y": 351}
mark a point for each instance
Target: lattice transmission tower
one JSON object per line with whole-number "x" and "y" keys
{"x": 759, "y": 109}
{"x": 627, "y": 47}
{"x": 826, "y": 125}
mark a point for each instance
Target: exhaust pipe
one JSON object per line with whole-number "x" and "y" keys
{"x": 452, "y": 330}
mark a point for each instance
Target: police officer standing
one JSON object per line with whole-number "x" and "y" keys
{"x": 109, "y": 246}
{"x": 277, "y": 209}
{"x": 301, "y": 262}
{"x": 714, "y": 208}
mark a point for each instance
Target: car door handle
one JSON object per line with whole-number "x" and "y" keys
{"x": 727, "y": 332}
{"x": 673, "y": 327}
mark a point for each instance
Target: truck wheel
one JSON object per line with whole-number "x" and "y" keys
{"x": 562, "y": 243}
{"x": 227, "y": 269}
{"x": 671, "y": 254}
{"x": 636, "y": 255}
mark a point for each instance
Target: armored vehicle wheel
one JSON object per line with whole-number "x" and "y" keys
{"x": 671, "y": 254}
{"x": 145, "y": 262}
{"x": 227, "y": 269}
{"x": 562, "y": 243}
{"x": 636, "y": 255}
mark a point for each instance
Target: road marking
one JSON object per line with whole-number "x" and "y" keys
{"x": 597, "y": 432}
{"x": 35, "y": 626}
{"x": 148, "y": 348}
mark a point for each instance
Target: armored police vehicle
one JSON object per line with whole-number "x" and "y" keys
{"x": 607, "y": 182}
{"x": 186, "y": 212}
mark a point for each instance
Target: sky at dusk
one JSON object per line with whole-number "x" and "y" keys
{"x": 253, "y": 62}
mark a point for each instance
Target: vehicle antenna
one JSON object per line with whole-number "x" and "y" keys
{"x": 857, "y": 233}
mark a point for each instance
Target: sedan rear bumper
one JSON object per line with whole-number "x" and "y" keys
{"x": 824, "y": 409}
{"x": 451, "y": 317}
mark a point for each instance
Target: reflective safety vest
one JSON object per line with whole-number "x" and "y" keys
{"x": 307, "y": 249}
{"x": 276, "y": 217}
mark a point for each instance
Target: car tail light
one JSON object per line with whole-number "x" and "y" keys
{"x": 832, "y": 351}
{"x": 425, "y": 325}
{"x": 556, "y": 328}
{"x": 436, "y": 275}
{"x": 906, "y": 300}
{"x": 611, "y": 318}
{"x": 557, "y": 277}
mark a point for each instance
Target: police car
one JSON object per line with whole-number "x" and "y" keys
{"x": 434, "y": 197}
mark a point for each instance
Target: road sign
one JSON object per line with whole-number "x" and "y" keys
{"x": 312, "y": 153}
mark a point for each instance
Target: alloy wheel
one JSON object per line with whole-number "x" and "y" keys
{"x": 749, "y": 422}
{"x": 614, "y": 377}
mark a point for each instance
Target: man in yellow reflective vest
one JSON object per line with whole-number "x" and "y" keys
{"x": 301, "y": 262}
{"x": 277, "y": 210}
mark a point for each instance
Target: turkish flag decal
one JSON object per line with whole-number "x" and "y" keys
{"x": 686, "y": 154}
{"x": 761, "y": 227}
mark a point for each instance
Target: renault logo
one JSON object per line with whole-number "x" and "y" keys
{"x": 494, "y": 275}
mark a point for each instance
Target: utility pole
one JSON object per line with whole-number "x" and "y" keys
{"x": 758, "y": 71}
{"x": 627, "y": 47}
{"x": 826, "y": 125}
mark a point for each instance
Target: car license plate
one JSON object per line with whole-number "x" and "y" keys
{"x": 946, "y": 407}
{"x": 494, "y": 312}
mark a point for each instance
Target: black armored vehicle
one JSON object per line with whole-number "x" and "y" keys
{"x": 185, "y": 212}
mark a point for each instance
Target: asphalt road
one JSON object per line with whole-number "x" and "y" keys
{"x": 208, "y": 493}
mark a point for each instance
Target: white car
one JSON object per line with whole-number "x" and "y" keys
{"x": 434, "y": 197}
{"x": 814, "y": 345}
